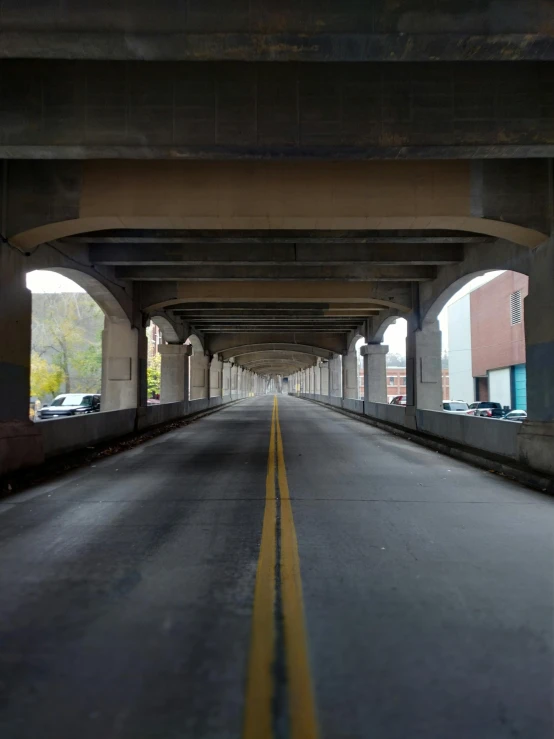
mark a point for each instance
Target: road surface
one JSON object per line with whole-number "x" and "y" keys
{"x": 277, "y": 572}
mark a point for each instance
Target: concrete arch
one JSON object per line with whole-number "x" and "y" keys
{"x": 478, "y": 262}
{"x": 239, "y": 351}
{"x": 32, "y": 238}
{"x": 169, "y": 331}
{"x": 196, "y": 343}
{"x": 379, "y": 334}
{"x": 96, "y": 289}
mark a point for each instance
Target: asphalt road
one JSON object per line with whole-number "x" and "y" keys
{"x": 131, "y": 608}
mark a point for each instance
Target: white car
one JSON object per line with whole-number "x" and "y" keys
{"x": 516, "y": 416}
{"x": 455, "y": 406}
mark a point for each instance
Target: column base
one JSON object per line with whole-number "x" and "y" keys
{"x": 536, "y": 445}
{"x": 21, "y": 446}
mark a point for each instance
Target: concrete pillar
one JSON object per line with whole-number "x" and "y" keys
{"x": 335, "y": 376}
{"x": 375, "y": 372}
{"x": 317, "y": 379}
{"x": 536, "y": 437}
{"x": 423, "y": 366}
{"x": 234, "y": 381}
{"x": 226, "y": 372}
{"x": 350, "y": 374}
{"x": 216, "y": 377}
{"x": 539, "y": 335}
{"x": 174, "y": 372}
{"x": 124, "y": 364}
{"x": 199, "y": 375}
{"x": 325, "y": 384}
{"x": 15, "y": 346}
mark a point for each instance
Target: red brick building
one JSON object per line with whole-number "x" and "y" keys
{"x": 396, "y": 382}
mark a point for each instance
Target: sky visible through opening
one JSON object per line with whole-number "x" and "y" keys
{"x": 43, "y": 281}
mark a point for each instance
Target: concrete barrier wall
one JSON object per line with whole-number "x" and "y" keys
{"x": 68, "y": 434}
{"x": 385, "y": 412}
{"x": 485, "y": 434}
{"x": 496, "y": 437}
{"x": 154, "y": 415}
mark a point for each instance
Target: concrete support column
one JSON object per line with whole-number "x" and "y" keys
{"x": 199, "y": 375}
{"x": 174, "y": 372}
{"x": 375, "y": 372}
{"x": 536, "y": 437}
{"x": 226, "y": 390}
{"x": 234, "y": 381}
{"x": 539, "y": 335}
{"x": 15, "y": 347}
{"x": 124, "y": 362}
{"x": 335, "y": 376}
{"x": 350, "y": 374}
{"x": 325, "y": 385}
{"x": 423, "y": 366}
{"x": 317, "y": 379}
{"x": 216, "y": 377}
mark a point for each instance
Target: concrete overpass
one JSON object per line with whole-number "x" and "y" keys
{"x": 269, "y": 183}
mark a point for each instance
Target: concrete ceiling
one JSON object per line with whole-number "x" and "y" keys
{"x": 274, "y": 302}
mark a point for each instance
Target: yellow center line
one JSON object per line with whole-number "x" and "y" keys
{"x": 258, "y": 719}
{"x": 302, "y": 711}
{"x": 259, "y": 688}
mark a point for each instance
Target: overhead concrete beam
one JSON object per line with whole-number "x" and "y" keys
{"x": 226, "y": 344}
{"x": 273, "y": 47}
{"x": 351, "y": 272}
{"x": 156, "y": 255}
{"x": 239, "y": 351}
{"x": 164, "y": 294}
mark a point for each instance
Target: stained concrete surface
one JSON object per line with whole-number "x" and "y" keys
{"x": 127, "y": 587}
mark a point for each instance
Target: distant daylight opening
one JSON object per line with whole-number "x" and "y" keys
{"x": 483, "y": 338}
{"x": 66, "y": 348}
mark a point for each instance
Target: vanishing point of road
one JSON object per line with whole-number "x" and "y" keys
{"x": 277, "y": 570}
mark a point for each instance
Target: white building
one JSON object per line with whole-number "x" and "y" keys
{"x": 462, "y": 385}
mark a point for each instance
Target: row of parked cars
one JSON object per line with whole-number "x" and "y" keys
{"x": 482, "y": 408}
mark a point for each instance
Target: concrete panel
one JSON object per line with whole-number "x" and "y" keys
{"x": 351, "y": 404}
{"x": 485, "y": 434}
{"x": 153, "y": 415}
{"x": 68, "y": 434}
{"x": 385, "y": 412}
{"x": 73, "y": 109}
{"x": 21, "y": 445}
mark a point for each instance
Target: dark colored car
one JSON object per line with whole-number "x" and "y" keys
{"x": 71, "y": 404}
{"x": 486, "y": 409}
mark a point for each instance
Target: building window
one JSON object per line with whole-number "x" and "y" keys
{"x": 392, "y": 379}
{"x": 515, "y": 307}
{"x": 403, "y": 380}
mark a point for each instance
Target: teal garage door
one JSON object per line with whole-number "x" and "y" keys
{"x": 520, "y": 387}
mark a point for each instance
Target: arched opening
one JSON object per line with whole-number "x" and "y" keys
{"x": 481, "y": 318}
{"x": 66, "y": 344}
{"x": 394, "y": 334}
{"x": 83, "y": 344}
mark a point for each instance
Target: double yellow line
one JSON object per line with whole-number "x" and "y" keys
{"x": 278, "y": 535}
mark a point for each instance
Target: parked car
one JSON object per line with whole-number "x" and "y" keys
{"x": 516, "y": 416}
{"x": 486, "y": 409}
{"x": 398, "y": 400}
{"x": 455, "y": 406}
{"x": 71, "y": 404}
